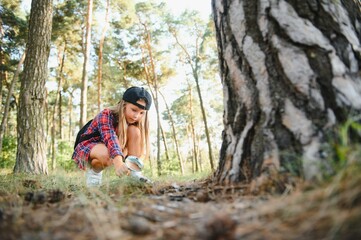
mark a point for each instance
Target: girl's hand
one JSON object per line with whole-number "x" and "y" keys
{"x": 120, "y": 168}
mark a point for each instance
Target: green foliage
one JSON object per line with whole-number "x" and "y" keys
{"x": 291, "y": 163}
{"x": 15, "y": 30}
{"x": 63, "y": 156}
{"x": 345, "y": 150}
{"x": 171, "y": 167}
{"x": 8, "y": 154}
{"x": 67, "y": 21}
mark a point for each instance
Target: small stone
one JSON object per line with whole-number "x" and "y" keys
{"x": 202, "y": 196}
{"x": 39, "y": 198}
{"x": 138, "y": 226}
{"x": 220, "y": 227}
{"x": 29, "y": 196}
{"x": 56, "y": 196}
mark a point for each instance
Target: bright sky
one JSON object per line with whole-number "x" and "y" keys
{"x": 178, "y": 6}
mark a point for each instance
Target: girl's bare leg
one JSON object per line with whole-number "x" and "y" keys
{"x": 99, "y": 157}
{"x": 134, "y": 144}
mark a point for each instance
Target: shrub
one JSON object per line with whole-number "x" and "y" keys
{"x": 63, "y": 155}
{"x": 8, "y": 154}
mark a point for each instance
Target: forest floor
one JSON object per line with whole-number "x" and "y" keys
{"x": 31, "y": 208}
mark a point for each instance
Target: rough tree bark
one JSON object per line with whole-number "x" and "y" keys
{"x": 290, "y": 72}
{"x": 31, "y": 149}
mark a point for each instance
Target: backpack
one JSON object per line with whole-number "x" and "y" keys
{"x": 80, "y": 138}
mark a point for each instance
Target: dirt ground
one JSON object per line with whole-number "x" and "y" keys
{"x": 193, "y": 210}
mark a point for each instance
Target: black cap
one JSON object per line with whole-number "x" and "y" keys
{"x": 133, "y": 94}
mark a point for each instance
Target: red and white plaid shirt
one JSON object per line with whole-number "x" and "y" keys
{"x": 106, "y": 124}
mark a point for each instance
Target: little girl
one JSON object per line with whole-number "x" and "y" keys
{"x": 118, "y": 136}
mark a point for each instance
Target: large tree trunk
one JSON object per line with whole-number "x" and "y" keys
{"x": 290, "y": 71}
{"x": 31, "y": 149}
{"x": 84, "y": 82}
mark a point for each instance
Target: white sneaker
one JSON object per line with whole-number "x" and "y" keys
{"x": 138, "y": 175}
{"x": 93, "y": 179}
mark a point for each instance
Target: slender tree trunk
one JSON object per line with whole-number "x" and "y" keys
{"x": 166, "y": 151}
{"x": 48, "y": 120}
{"x": 31, "y": 149}
{"x": 204, "y": 116}
{"x": 7, "y": 103}
{"x": 70, "y": 104}
{"x": 191, "y": 154}
{"x": 193, "y": 62}
{"x": 180, "y": 161}
{"x": 57, "y": 106}
{"x": 152, "y": 79}
{"x": 290, "y": 72}
{"x": 53, "y": 142}
{"x": 2, "y": 62}
{"x": 100, "y": 55}
{"x": 155, "y": 100}
{"x": 159, "y": 162}
{"x": 193, "y": 133}
{"x": 60, "y": 117}
{"x": 84, "y": 85}
{"x": 10, "y": 125}
{"x": 60, "y": 86}
{"x": 200, "y": 159}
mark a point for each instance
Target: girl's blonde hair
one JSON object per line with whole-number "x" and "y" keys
{"x": 143, "y": 125}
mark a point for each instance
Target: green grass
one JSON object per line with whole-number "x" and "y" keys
{"x": 73, "y": 182}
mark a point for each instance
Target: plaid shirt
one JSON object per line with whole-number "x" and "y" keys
{"x": 106, "y": 124}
